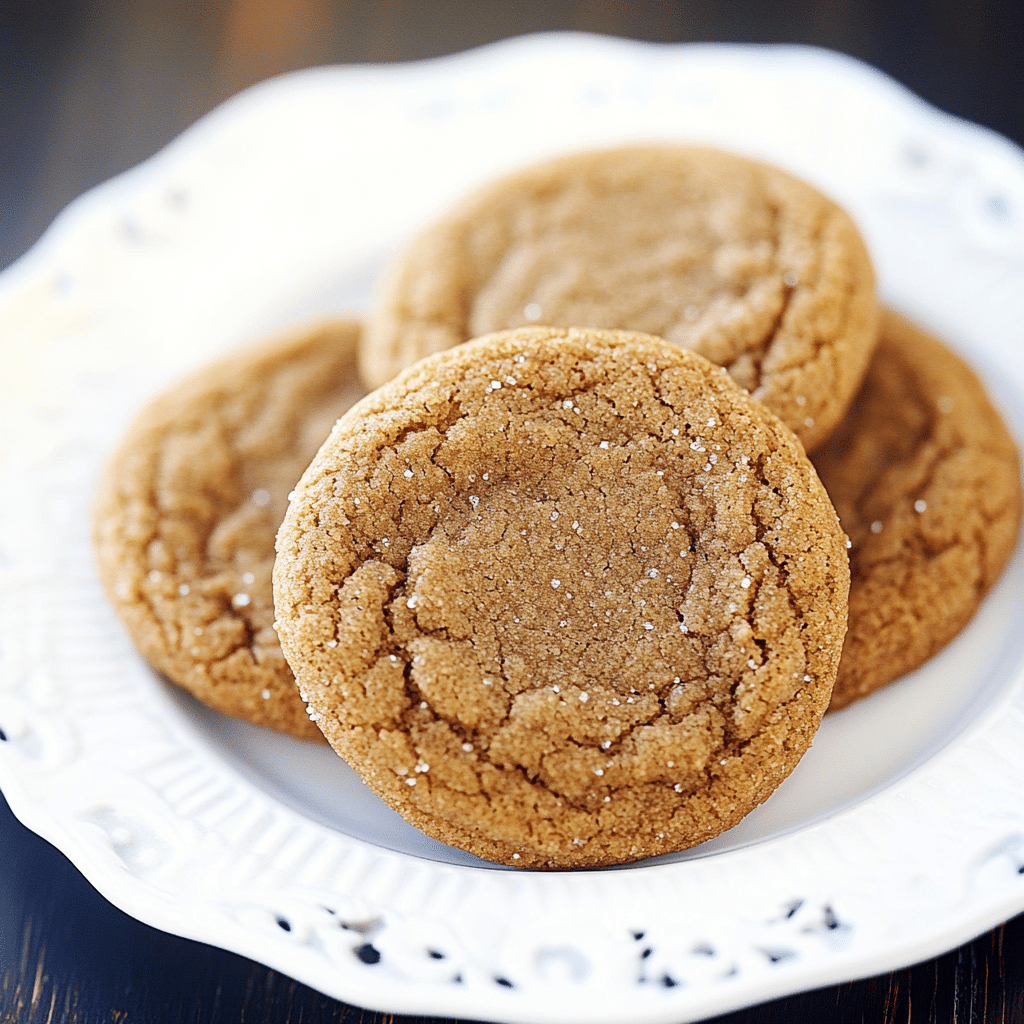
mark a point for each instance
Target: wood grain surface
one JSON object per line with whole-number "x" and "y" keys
{"x": 90, "y": 87}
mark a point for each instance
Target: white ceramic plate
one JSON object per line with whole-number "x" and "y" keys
{"x": 900, "y": 835}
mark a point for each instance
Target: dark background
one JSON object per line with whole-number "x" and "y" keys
{"x": 90, "y": 87}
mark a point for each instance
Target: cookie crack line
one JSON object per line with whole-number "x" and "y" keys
{"x": 922, "y": 492}
{"x": 584, "y": 801}
{"x": 897, "y": 561}
{"x": 942, "y": 448}
{"x": 151, "y": 599}
{"x": 759, "y": 351}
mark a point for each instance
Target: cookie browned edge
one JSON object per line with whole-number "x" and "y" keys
{"x": 332, "y": 596}
{"x": 926, "y": 479}
{"x": 188, "y": 505}
{"x": 806, "y": 368}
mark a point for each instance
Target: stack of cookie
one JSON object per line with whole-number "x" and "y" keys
{"x": 566, "y": 589}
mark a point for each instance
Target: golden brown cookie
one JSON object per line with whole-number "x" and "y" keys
{"x": 189, "y": 506}
{"x": 926, "y": 479}
{"x": 564, "y": 597}
{"x": 739, "y": 261}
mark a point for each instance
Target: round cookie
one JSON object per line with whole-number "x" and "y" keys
{"x": 188, "y": 508}
{"x": 737, "y": 260}
{"x": 926, "y": 480}
{"x": 564, "y": 598}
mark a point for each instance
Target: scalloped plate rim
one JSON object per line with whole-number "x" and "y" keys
{"x": 18, "y": 792}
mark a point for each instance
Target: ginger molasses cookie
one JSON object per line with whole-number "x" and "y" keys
{"x": 564, "y": 597}
{"x": 189, "y": 506}
{"x": 926, "y": 479}
{"x": 737, "y": 260}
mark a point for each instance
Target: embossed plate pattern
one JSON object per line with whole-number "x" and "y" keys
{"x": 902, "y": 832}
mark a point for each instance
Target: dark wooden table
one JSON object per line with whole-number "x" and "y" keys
{"x": 90, "y": 87}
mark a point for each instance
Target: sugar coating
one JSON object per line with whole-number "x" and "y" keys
{"x": 732, "y": 258}
{"x": 581, "y": 694}
{"x": 188, "y": 508}
{"x": 926, "y": 479}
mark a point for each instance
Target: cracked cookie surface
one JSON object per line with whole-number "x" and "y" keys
{"x": 737, "y": 260}
{"x": 926, "y": 480}
{"x": 564, "y": 598}
{"x": 189, "y": 506}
